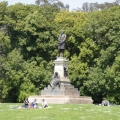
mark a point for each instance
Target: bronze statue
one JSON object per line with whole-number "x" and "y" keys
{"x": 61, "y": 43}
{"x": 55, "y": 81}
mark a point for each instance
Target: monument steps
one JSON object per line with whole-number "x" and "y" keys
{"x": 64, "y": 89}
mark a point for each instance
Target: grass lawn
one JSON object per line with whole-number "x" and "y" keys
{"x": 60, "y": 112}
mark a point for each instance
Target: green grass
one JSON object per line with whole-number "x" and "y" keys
{"x": 60, "y": 112}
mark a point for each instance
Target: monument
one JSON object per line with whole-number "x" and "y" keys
{"x": 60, "y": 90}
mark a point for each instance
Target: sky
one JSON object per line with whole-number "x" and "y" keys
{"x": 72, "y": 3}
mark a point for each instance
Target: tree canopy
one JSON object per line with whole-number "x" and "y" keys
{"x": 28, "y": 45}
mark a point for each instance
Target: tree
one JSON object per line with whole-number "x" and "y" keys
{"x": 22, "y": 78}
{"x": 54, "y": 3}
{"x": 94, "y": 73}
{"x": 4, "y": 49}
{"x": 3, "y": 6}
{"x": 89, "y": 7}
{"x": 17, "y": 69}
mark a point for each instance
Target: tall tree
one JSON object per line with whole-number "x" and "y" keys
{"x": 100, "y": 55}
{"x": 3, "y": 6}
{"x": 55, "y": 3}
{"x": 89, "y": 7}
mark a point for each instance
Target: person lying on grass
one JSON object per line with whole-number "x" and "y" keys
{"x": 105, "y": 103}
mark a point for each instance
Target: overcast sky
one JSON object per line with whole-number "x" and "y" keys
{"x": 72, "y": 3}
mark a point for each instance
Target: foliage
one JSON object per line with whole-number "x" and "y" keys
{"x": 3, "y": 7}
{"x": 22, "y": 77}
{"x": 54, "y": 3}
{"x": 89, "y": 7}
{"x": 28, "y": 45}
{"x": 99, "y": 51}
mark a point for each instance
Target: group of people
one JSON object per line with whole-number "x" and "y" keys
{"x": 34, "y": 104}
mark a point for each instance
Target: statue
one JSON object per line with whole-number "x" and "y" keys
{"x": 61, "y": 43}
{"x": 55, "y": 81}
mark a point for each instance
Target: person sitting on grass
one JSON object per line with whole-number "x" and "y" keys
{"x": 34, "y": 104}
{"x": 44, "y": 103}
{"x": 26, "y": 103}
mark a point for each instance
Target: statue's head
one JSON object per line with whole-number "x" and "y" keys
{"x": 56, "y": 73}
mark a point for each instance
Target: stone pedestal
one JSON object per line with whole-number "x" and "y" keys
{"x": 61, "y": 66}
{"x": 66, "y": 93}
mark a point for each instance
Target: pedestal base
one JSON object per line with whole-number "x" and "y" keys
{"x": 66, "y": 94}
{"x": 62, "y": 99}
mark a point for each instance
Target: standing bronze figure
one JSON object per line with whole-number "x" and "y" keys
{"x": 61, "y": 43}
